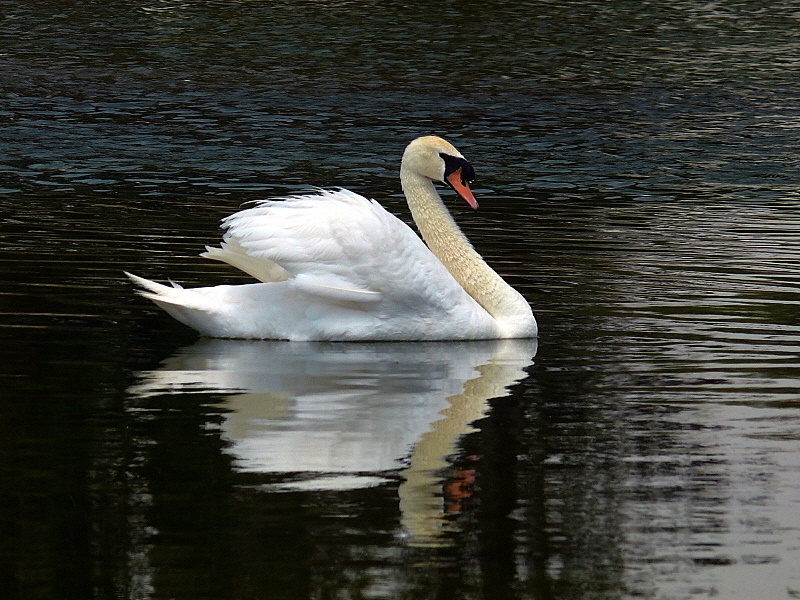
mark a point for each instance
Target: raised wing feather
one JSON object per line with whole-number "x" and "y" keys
{"x": 336, "y": 244}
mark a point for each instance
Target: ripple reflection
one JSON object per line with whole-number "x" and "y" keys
{"x": 343, "y": 416}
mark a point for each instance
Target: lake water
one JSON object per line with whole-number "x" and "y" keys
{"x": 638, "y": 176}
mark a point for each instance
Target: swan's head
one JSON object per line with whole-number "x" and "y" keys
{"x": 438, "y": 160}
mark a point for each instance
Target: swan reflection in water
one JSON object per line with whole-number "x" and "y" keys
{"x": 349, "y": 415}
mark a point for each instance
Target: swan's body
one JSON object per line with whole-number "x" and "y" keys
{"x": 337, "y": 266}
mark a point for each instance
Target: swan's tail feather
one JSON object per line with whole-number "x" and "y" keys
{"x": 157, "y": 292}
{"x": 191, "y": 307}
{"x": 151, "y": 286}
{"x": 187, "y": 306}
{"x": 221, "y": 311}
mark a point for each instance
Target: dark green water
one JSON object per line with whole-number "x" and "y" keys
{"x": 638, "y": 178}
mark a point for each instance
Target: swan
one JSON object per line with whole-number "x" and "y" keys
{"x": 336, "y": 266}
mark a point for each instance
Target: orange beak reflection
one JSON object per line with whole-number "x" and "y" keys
{"x": 462, "y": 189}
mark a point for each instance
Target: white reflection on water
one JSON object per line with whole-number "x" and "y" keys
{"x": 343, "y": 416}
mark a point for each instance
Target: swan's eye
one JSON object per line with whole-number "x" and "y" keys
{"x": 467, "y": 173}
{"x": 455, "y": 163}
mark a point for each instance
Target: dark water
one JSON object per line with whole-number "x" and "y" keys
{"x": 638, "y": 178}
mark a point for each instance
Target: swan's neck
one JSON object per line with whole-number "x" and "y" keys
{"x": 452, "y": 248}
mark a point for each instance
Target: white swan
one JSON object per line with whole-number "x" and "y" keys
{"x": 337, "y": 266}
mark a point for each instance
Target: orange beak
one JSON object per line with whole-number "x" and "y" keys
{"x": 462, "y": 189}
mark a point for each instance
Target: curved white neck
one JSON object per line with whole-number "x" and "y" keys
{"x": 452, "y": 248}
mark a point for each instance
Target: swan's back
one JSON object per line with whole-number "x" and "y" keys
{"x": 334, "y": 266}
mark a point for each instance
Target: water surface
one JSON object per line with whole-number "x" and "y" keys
{"x": 637, "y": 173}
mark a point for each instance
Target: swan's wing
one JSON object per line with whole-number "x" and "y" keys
{"x": 336, "y": 245}
{"x": 232, "y": 253}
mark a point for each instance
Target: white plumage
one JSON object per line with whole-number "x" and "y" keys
{"x": 336, "y": 266}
